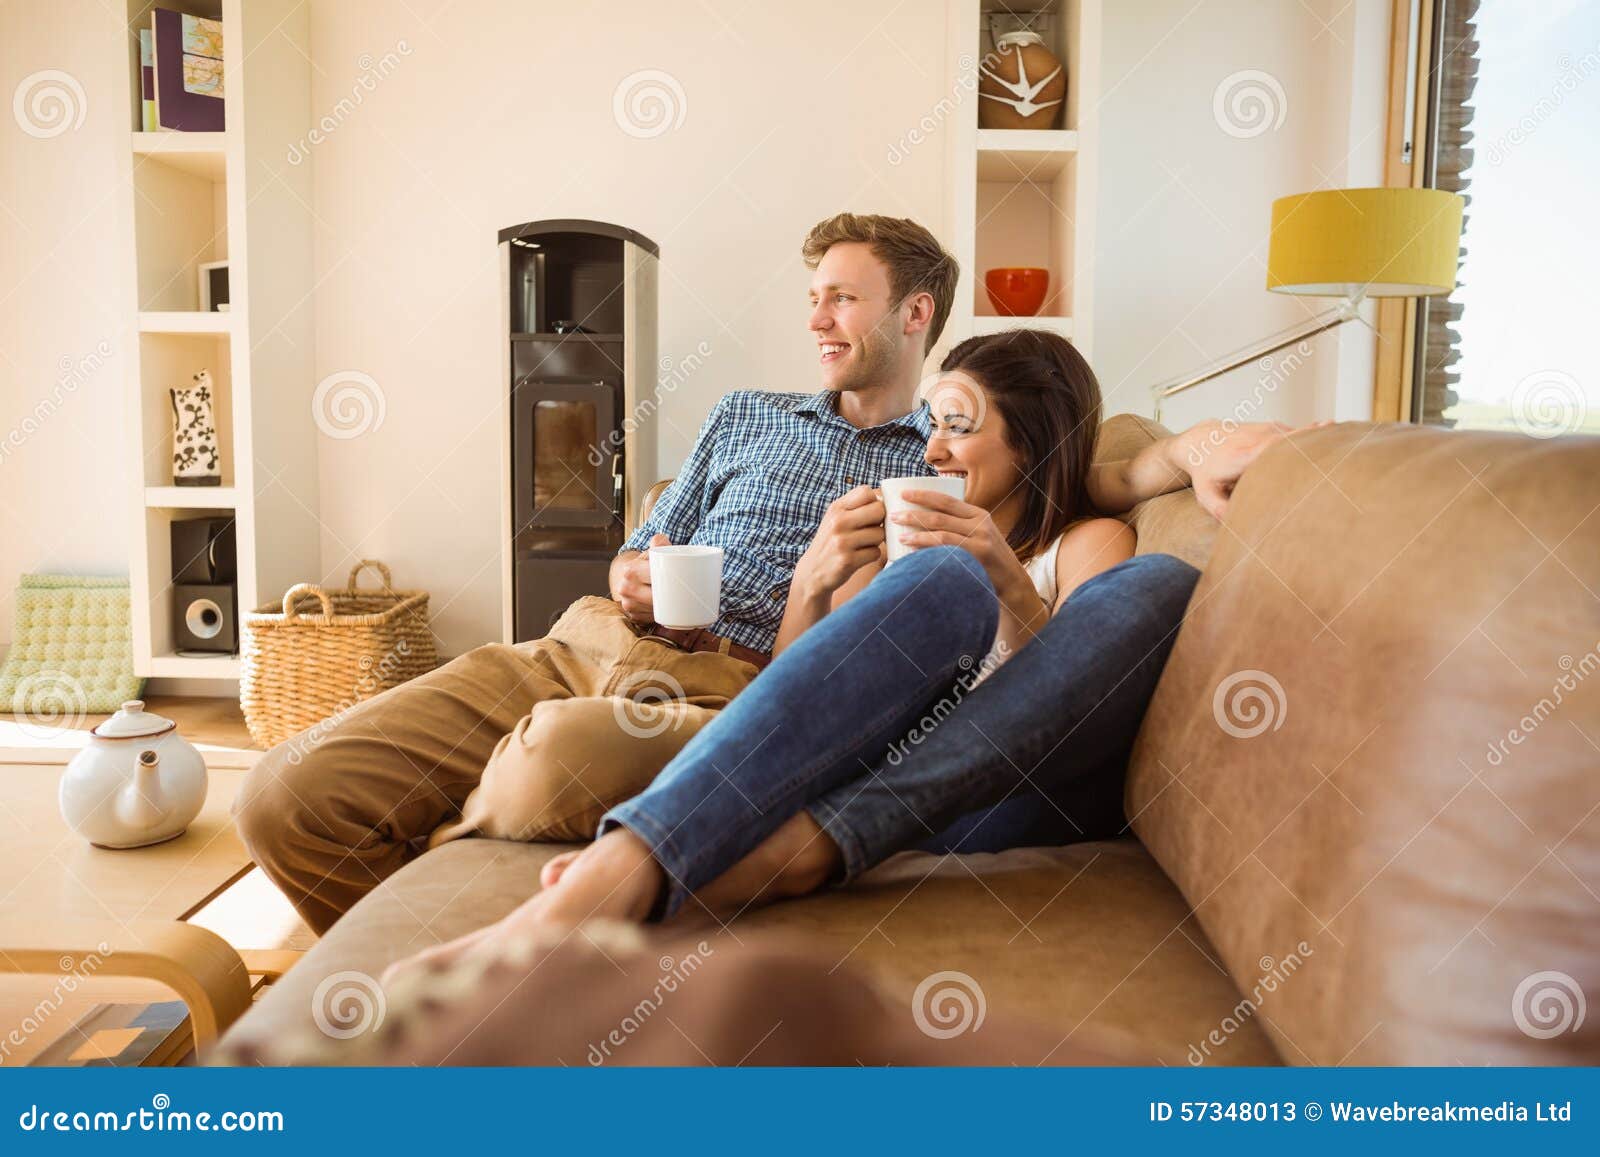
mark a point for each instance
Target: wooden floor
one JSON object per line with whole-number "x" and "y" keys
{"x": 213, "y": 725}
{"x": 209, "y": 721}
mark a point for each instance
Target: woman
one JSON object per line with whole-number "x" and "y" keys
{"x": 1014, "y": 415}
{"x": 906, "y": 706}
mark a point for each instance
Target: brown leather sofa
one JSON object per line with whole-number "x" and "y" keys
{"x": 1365, "y": 802}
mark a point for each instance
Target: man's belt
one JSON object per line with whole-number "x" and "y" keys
{"x": 700, "y": 639}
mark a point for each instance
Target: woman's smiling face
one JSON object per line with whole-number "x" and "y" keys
{"x": 969, "y": 441}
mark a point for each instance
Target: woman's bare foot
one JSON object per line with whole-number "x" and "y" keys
{"x": 795, "y": 860}
{"x": 615, "y": 877}
{"x": 550, "y": 875}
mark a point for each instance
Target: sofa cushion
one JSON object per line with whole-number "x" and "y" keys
{"x": 1090, "y": 938}
{"x": 1089, "y": 944}
{"x": 1374, "y": 746}
{"x": 1173, "y": 523}
{"x": 613, "y": 994}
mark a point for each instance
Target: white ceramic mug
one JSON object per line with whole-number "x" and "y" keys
{"x": 893, "y": 503}
{"x": 686, "y": 585}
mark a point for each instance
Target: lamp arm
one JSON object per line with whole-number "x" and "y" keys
{"x": 1347, "y": 310}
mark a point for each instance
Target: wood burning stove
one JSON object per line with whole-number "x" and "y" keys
{"x": 580, "y": 312}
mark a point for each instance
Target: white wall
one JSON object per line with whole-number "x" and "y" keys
{"x": 63, "y": 318}
{"x": 1184, "y": 205}
{"x": 488, "y": 114}
{"x": 789, "y": 112}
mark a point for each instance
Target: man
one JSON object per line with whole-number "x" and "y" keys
{"x": 329, "y": 819}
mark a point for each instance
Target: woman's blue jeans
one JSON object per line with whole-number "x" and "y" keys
{"x": 868, "y": 722}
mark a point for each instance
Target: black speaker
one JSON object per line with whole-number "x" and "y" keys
{"x": 203, "y": 550}
{"x": 205, "y": 617}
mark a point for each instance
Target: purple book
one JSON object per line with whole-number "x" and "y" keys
{"x": 177, "y": 107}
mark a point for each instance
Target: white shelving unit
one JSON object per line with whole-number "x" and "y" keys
{"x": 1037, "y": 155}
{"x": 1026, "y": 196}
{"x": 184, "y": 321}
{"x": 202, "y": 154}
{"x": 201, "y": 197}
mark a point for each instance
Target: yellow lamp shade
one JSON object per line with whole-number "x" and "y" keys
{"x": 1365, "y": 242}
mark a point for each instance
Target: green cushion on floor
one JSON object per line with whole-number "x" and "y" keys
{"x": 71, "y": 649}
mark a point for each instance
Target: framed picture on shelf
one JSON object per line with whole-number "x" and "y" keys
{"x": 214, "y": 287}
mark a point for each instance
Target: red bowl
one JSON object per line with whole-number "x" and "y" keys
{"x": 1017, "y": 291}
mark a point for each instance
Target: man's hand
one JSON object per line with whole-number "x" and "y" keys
{"x": 849, "y": 538}
{"x": 630, "y": 582}
{"x": 1211, "y": 457}
{"x": 1217, "y": 455}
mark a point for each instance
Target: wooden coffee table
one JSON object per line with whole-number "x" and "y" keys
{"x": 68, "y": 908}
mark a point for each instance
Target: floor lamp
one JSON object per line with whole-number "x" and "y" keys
{"x": 1350, "y": 244}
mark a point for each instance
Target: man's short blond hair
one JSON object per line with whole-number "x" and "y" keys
{"x": 917, "y": 262}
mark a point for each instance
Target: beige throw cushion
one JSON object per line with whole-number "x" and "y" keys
{"x": 1172, "y": 524}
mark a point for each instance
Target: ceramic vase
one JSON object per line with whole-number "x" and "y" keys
{"x": 196, "y": 460}
{"x": 1021, "y": 85}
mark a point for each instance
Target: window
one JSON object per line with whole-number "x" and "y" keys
{"x": 1512, "y": 115}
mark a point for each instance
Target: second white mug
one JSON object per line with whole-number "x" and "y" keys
{"x": 893, "y": 503}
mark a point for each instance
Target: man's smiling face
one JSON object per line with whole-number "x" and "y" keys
{"x": 854, "y": 318}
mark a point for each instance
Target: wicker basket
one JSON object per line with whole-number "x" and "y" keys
{"x": 322, "y": 652}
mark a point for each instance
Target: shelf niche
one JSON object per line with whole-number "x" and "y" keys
{"x": 168, "y": 360}
{"x": 180, "y": 218}
{"x": 158, "y": 547}
{"x": 1062, "y": 39}
{"x": 139, "y": 17}
{"x": 1028, "y": 223}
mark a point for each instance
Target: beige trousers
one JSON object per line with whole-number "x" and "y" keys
{"x": 532, "y": 741}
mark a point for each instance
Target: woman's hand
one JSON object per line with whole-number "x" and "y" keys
{"x": 849, "y": 538}
{"x": 949, "y": 521}
{"x": 833, "y": 567}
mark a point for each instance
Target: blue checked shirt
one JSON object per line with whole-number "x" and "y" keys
{"x": 757, "y": 483}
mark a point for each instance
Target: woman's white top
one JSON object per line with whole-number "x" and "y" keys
{"x": 1041, "y": 569}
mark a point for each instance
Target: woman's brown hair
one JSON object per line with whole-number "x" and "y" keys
{"x": 1050, "y": 400}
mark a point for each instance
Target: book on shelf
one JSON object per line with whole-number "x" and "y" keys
{"x": 187, "y": 53}
{"x": 147, "y": 79}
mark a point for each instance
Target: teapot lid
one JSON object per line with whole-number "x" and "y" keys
{"x": 133, "y": 722}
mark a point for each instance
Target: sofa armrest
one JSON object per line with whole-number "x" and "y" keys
{"x": 1372, "y": 749}
{"x": 648, "y": 502}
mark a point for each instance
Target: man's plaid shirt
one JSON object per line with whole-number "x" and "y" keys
{"x": 757, "y": 483}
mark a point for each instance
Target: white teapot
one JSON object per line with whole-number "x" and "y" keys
{"x": 137, "y": 782}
